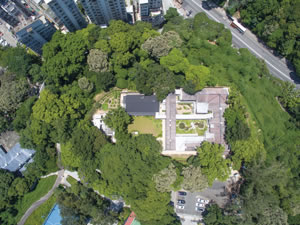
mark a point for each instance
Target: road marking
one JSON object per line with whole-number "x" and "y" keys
{"x": 243, "y": 42}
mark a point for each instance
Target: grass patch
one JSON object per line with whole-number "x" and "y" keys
{"x": 181, "y": 159}
{"x": 146, "y": 125}
{"x": 71, "y": 180}
{"x": 40, "y": 214}
{"x": 41, "y": 189}
{"x": 104, "y": 106}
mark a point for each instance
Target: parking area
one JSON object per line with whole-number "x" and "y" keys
{"x": 190, "y": 204}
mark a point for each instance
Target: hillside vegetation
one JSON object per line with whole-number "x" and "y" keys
{"x": 262, "y": 122}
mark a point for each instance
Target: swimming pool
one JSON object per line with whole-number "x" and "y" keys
{"x": 54, "y": 217}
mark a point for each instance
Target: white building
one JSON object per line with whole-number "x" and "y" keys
{"x": 68, "y": 13}
{"x": 102, "y": 11}
{"x": 36, "y": 34}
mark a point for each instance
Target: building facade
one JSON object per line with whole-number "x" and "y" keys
{"x": 144, "y": 8}
{"x": 100, "y": 12}
{"x": 68, "y": 13}
{"x": 6, "y": 17}
{"x": 155, "y": 4}
{"x": 36, "y": 34}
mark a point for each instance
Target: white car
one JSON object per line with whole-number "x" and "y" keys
{"x": 180, "y": 206}
{"x": 200, "y": 204}
{"x": 202, "y": 201}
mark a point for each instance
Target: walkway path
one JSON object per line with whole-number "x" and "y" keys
{"x": 35, "y": 205}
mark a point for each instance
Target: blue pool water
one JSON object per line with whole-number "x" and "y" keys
{"x": 54, "y": 217}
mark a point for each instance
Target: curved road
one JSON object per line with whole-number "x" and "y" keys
{"x": 278, "y": 67}
{"x": 35, "y": 205}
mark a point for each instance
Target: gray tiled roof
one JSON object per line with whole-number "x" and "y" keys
{"x": 140, "y": 105}
{"x": 15, "y": 158}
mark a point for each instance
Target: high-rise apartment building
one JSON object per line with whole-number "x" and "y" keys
{"x": 144, "y": 7}
{"x": 6, "y": 17}
{"x": 68, "y": 13}
{"x": 102, "y": 11}
{"x": 155, "y": 4}
{"x": 36, "y": 34}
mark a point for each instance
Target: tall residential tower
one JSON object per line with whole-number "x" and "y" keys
{"x": 36, "y": 34}
{"x": 102, "y": 11}
{"x": 68, "y": 13}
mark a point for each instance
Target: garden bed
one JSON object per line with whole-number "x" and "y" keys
{"x": 191, "y": 127}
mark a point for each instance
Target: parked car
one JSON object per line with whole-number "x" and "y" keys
{"x": 189, "y": 13}
{"x": 202, "y": 200}
{"x": 200, "y": 204}
{"x": 180, "y": 206}
{"x": 199, "y": 209}
{"x": 181, "y": 202}
{"x": 182, "y": 193}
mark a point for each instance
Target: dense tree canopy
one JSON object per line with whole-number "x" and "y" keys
{"x": 194, "y": 180}
{"x": 17, "y": 60}
{"x": 211, "y": 161}
{"x": 12, "y": 93}
{"x": 190, "y": 53}
{"x": 278, "y": 24}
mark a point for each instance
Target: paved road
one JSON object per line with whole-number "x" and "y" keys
{"x": 7, "y": 35}
{"x": 35, "y": 205}
{"x": 278, "y": 66}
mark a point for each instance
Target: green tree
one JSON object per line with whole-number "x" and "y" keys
{"x": 121, "y": 42}
{"x": 6, "y": 179}
{"x": 161, "y": 45}
{"x": 199, "y": 75}
{"x": 118, "y": 119}
{"x": 23, "y": 114}
{"x": 247, "y": 151}
{"x": 50, "y": 107}
{"x": 103, "y": 45}
{"x": 210, "y": 159}
{"x": 64, "y": 58}
{"x": 86, "y": 141}
{"x": 21, "y": 186}
{"x": 165, "y": 179}
{"x": 12, "y": 93}
{"x": 155, "y": 79}
{"x": 97, "y": 60}
{"x": 171, "y": 13}
{"x": 105, "y": 81}
{"x": 17, "y": 60}
{"x": 68, "y": 158}
{"x": 85, "y": 85}
{"x": 175, "y": 61}
{"x": 194, "y": 179}
{"x": 216, "y": 216}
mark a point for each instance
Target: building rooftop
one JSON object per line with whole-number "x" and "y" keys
{"x": 15, "y": 158}
{"x": 143, "y": 1}
{"x": 131, "y": 220}
{"x": 202, "y": 107}
{"x": 141, "y": 105}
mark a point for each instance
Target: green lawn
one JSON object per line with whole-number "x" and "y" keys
{"x": 71, "y": 180}
{"x": 146, "y": 125}
{"x": 200, "y": 127}
{"x": 41, "y": 189}
{"x": 40, "y": 214}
